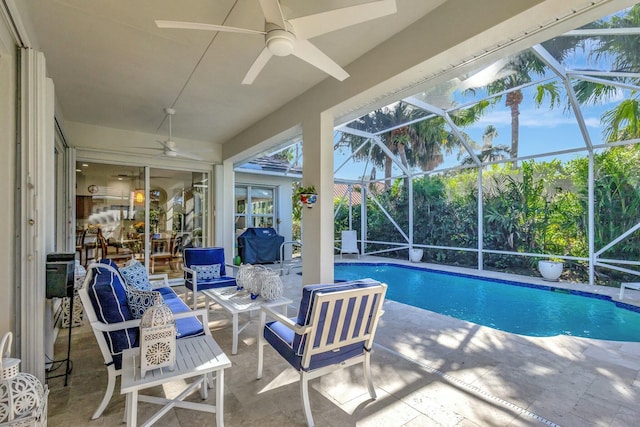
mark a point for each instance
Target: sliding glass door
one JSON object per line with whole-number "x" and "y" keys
{"x": 178, "y": 206}
{"x": 122, "y": 215}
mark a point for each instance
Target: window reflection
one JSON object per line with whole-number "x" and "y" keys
{"x": 112, "y": 223}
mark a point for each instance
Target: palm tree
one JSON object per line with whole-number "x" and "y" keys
{"x": 623, "y": 121}
{"x": 519, "y": 71}
{"x": 489, "y": 152}
{"x": 409, "y": 143}
{"x": 421, "y": 144}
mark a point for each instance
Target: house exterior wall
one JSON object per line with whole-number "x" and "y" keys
{"x": 284, "y": 206}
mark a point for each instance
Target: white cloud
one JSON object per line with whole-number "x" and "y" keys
{"x": 592, "y": 122}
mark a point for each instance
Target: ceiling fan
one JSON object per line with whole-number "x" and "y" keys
{"x": 169, "y": 146}
{"x": 285, "y": 37}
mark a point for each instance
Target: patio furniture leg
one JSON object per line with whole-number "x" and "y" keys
{"x": 304, "y": 392}
{"x": 263, "y": 319}
{"x": 111, "y": 384}
{"x": 132, "y": 408}
{"x": 234, "y": 346}
{"x": 125, "y": 415}
{"x": 204, "y": 387}
{"x": 220, "y": 398}
{"x": 367, "y": 375}
{"x": 628, "y": 285}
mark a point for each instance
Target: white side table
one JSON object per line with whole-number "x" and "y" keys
{"x": 236, "y": 302}
{"x": 195, "y": 357}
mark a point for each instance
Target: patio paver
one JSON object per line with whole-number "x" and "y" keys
{"x": 428, "y": 369}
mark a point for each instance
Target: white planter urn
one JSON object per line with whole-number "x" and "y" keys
{"x": 550, "y": 270}
{"x": 415, "y": 255}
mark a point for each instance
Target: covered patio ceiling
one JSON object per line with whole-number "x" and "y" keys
{"x": 115, "y": 71}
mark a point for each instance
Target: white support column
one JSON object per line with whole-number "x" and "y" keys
{"x": 225, "y": 209}
{"x": 317, "y": 222}
{"x": 70, "y": 192}
{"x": 591, "y": 220}
{"x": 480, "y": 222}
{"x": 363, "y": 220}
{"x": 36, "y": 149}
{"x": 410, "y": 189}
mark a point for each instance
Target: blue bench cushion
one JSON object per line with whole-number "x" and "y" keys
{"x": 187, "y": 327}
{"x": 109, "y": 300}
{"x": 109, "y": 262}
{"x": 306, "y": 307}
{"x": 108, "y": 296}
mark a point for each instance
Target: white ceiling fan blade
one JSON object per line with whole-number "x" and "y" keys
{"x": 257, "y": 66}
{"x": 147, "y": 148}
{"x": 306, "y": 51}
{"x": 310, "y": 26}
{"x": 272, "y": 12}
{"x": 186, "y": 155}
{"x": 208, "y": 27}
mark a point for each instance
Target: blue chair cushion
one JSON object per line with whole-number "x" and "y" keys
{"x": 109, "y": 300}
{"x": 187, "y": 327}
{"x": 281, "y": 339}
{"x": 221, "y": 282}
{"x": 204, "y": 256}
{"x": 306, "y": 307}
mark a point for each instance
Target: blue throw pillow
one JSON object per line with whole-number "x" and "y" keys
{"x": 207, "y": 272}
{"x": 139, "y": 301}
{"x": 135, "y": 275}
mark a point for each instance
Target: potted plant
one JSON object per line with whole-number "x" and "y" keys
{"x": 308, "y": 195}
{"x": 551, "y": 269}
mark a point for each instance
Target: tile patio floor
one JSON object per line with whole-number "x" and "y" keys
{"x": 428, "y": 369}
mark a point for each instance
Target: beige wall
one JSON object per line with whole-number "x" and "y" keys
{"x": 7, "y": 181}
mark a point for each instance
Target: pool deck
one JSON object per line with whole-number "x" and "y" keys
{"x": 428, "y": 369}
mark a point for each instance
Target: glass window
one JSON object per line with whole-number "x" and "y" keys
{"x": 255, "y": 207}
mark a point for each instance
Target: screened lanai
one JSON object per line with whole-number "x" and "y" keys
{"x": 533, "y": 156}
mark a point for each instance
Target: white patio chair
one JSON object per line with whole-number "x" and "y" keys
{"x": 629, "y": 285}
{"x": 349, "y": 243}
{"x": 334, "y": 329}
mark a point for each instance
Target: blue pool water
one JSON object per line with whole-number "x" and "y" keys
{"x": 519, "y": 308}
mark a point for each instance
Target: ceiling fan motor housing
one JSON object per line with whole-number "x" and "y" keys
{"x": 280, "y": 42}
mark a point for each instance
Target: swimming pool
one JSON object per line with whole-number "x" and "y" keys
{"x": 520, "y": 308}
